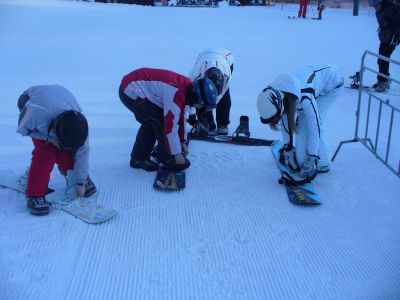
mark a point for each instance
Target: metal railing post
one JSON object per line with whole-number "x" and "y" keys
{"x": 366, "y": 140}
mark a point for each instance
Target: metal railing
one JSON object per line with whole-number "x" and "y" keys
{"x": 375, "y": 140}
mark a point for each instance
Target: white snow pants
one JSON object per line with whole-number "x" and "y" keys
{"x": 301, "y": 138}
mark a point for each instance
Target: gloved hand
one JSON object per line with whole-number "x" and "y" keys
{"x": 289, "y": 158}
{"x": 192, "y": 120}
{"x": 80, "y": 190}
{"x": 309, "y": 169}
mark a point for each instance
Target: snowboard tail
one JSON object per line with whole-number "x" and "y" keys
{"x": 167, "y": 180}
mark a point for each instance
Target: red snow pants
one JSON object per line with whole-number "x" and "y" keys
{"x": 303, "y": 9}
{"x": 44, "y": 156}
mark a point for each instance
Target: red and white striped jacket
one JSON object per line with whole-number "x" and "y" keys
{"x": 166, "y": 89}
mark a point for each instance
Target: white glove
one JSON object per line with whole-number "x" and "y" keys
{"x": 289, "y": 158}
{"x": 309, "y": 169}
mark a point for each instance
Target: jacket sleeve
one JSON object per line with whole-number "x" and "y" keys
{"x": 29, "y": 124}
{"x": 81, "y": 163}
{"x": 174, "y": 125}
{"x": 312, "y": 120}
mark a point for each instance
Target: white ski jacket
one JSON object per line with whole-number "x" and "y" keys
{"x": 44, "y": 104}
{"x": 308, "y": 83}
{"x": 208, "y": 58}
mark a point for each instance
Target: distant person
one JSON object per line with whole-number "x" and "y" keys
{"x": 300, "y": 101}
{"x": 52, "y": 117}
{"x": 388, "y": 16}
{"x": 320, "y": 8}
{"x": 302, "y": 9}
{"x": 216, "y": 65}
{"x": 158, "y": 98}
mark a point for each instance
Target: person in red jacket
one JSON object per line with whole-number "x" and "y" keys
{"x": 158, "y": 99}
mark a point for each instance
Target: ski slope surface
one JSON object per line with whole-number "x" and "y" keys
{"x": 232, "y": 233}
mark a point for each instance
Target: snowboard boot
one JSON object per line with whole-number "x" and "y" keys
{"x": 145, "y": 164}
{"x": 381, "y": 86}
{"x": 38, "y": 206}
{"x": 90, "y": 188}
{"x": 222, "y": 130}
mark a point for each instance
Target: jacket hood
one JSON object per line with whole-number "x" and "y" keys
{"x": 288, "y": 83}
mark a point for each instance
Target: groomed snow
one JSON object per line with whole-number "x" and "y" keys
{"x": 232, "y": 233}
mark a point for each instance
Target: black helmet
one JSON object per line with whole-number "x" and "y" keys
{"x": 71, "y": 128}
{"x": 204, "y": 94}
{"x": 216, "y": 77}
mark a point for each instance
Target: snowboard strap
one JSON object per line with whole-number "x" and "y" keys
{"x": 289, "y": 180}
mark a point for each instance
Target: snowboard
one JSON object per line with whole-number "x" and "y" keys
{"x": 167, "y": 180}
{"x": 299, "y": 191}
{"x": 241, "y": 136}
{"x": 65, "y": 199}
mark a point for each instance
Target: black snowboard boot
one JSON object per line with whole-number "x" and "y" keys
{"x": 145, "y": 164}
{"x": 38, "y": 206}
{"x": 381, "y": 86}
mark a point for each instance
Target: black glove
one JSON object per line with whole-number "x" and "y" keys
{"x": 192, "y": 120}
{"x": 289, "y": 158}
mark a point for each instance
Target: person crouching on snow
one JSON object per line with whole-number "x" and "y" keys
{"x": 52, "y": 117}
{"x": 216, "y": 65}
{"x": 158, "y": 99}
{"x": 309, "y": 92}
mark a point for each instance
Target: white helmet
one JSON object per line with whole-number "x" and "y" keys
{"x": 270, "y": 104}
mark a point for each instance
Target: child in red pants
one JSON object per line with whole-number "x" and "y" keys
{"x": 51, "y": 116}
{"x": 44, "y": 156}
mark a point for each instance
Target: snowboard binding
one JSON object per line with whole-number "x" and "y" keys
{"x": 242, "y": 131}
{"x": 355, "y": 84}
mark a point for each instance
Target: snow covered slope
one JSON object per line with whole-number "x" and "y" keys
{"x": 232, "y": 233}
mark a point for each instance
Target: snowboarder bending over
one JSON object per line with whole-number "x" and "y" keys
{"x": 309, "y": 91}
{"x": 217, "y": 65}
{"x": 388, "y": 17}
{"x": 52, "y": 117}
{"x": 158, "y": 99}
{"x": 320, "y": 8}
